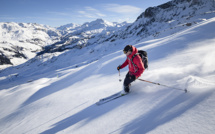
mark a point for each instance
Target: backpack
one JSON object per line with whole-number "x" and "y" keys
{"x": 144, "y": 57}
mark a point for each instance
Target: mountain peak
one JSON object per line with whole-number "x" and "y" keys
{"x": 68, "y": 26}
{"x": 99, "y": 23}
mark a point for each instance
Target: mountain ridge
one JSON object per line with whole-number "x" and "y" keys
{"x": 171, "y": 16}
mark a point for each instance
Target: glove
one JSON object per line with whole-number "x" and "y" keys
{"x": 119, "y": 67}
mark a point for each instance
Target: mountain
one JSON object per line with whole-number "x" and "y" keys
{"x": 20, "y": 42}
{"x": 88, "y": 26}
{"x": 88, "y": 34}
{"x": 23, "y": 41}
{"x": 60, "y": 97}
{"x": 56, "y": 91}
{"x": 68, "y": 27}
{"x": 171, "y": 16}
{"x": 167, "y": 18}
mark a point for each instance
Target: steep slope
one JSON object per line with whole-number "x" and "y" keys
{"x": 56, "y": 91}
{"x": 63, "y": 100}
{"x": 171, "y": 16}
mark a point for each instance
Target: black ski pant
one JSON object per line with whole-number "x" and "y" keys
{"x": 127, "y": 81}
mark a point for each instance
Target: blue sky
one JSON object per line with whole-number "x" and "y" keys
{"x": 59, "y": 12}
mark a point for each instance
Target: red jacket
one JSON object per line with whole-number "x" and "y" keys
{"x": 136, "y": 69}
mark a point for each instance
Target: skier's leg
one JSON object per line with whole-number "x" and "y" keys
{"x": 127, "y": 81}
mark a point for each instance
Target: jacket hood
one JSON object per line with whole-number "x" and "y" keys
{"x": 134, "y": 51}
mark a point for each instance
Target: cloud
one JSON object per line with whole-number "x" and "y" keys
{"x": 122, "y": 9}
{"x": 91, "y": 9}
{"x": 90, "y": 12}
{"x": 100, "y": 14}
{"x": 81, "y": 12}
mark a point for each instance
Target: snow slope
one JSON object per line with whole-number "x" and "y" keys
{"x": 58, "y": 96}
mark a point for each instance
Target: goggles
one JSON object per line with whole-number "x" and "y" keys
{"x": 125, "y": 52}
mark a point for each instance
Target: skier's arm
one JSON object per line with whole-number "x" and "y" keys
{"x": 124, "y": 64}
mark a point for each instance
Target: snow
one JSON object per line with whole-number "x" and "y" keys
{"x": 63, "y": 100}
{"x": 57, "y": 92}
{"x": 20, "y": 41}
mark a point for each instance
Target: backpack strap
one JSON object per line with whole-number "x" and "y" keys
{"x": 133, "y": 62}
{"x": 133, "y": 57}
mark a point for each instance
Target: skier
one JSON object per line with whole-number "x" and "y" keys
{"x": 136, "y": 67}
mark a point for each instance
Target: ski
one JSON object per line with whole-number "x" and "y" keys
{"x": 109, "y": 98}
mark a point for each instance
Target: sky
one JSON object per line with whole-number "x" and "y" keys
{"x": 60, "y": 12}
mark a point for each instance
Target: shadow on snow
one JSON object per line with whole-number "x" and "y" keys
{"x": 164, "y": 113}
{"x": 87, "y": 115}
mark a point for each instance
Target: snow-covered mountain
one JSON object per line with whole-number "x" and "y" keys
{"x": 171, "y": 16}
{"x": 98, "y": 24}
{"x": 168, "y": 17}
{"x": 60, "y": 97}
{"x": 20, "y": 42}
{"x": 68, "y": 27}
{"x": 90, "y": 33}
{"x": 56, "y": 91}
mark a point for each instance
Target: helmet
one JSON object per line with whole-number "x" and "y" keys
{"x": 127, "y": 48}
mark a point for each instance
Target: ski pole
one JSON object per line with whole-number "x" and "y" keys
{"x": 119, "y": 77}
{"x": 185, "y": 90}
